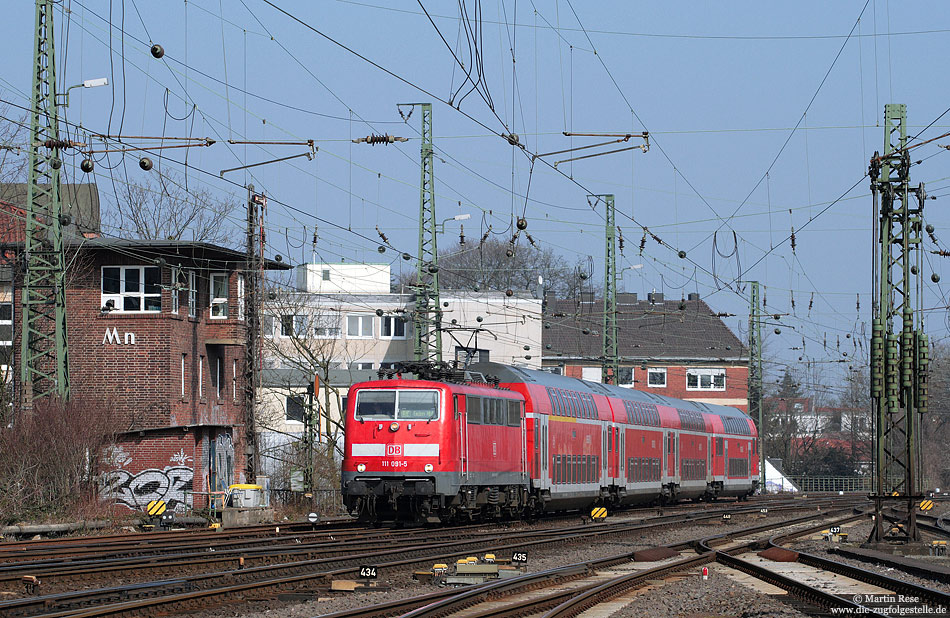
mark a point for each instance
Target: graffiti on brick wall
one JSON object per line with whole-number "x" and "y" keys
{"x": 172, "y": 484}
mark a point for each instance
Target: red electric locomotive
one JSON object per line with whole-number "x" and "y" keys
{"x": 494, "y": 441}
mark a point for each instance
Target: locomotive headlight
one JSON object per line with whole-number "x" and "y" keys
{"x": 394, "y": 426}
{"x": 429, "y": 468}
{"x": 361, "y": 467}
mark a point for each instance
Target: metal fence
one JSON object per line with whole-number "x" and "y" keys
{"x": 848, "y": 484}
{"x": 323, "y": 501}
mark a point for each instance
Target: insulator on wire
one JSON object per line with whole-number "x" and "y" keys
{"x": 792, "y": 295}
{"x": 792, "y": 238}
{"x": 620, "y": 243}
{"x": 643, "y": 242}
{"x": 381, "y": 235}
{"x": 461, "y": 234}
{"x": 811, "y": 302}
{"x": 385, "y": 139}
{"x": 858, "y": 302}
{"x": 530, "y": 239}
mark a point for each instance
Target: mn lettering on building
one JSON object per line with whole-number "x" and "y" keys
{"x": 156, "y": 329}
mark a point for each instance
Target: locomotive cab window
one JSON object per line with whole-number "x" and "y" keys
{"x": 397, "y": 405}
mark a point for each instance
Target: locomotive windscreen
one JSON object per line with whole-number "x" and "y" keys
{"x": 403, "y": 405}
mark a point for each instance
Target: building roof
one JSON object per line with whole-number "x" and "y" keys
{"x": 295, "y": 377}
{"x": 80, "y": 202}
{"x": 214, "y": 256}
{"x": 661, "y": 330}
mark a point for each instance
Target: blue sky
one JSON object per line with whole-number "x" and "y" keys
{"x": 720, "y": 87}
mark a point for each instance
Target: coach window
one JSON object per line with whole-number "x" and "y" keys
{"x": 473, "y": 410}
{"x": 656, "y": 377}
{"x": 514, "y": 413}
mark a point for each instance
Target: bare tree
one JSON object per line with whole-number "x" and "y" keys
{"x": 307, "y": 342}
{"x": 497, "y": 264}
{"x": 163, "y": 207}
{"x": 935, "y": 425}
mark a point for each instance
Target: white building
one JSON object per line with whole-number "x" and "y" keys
{"x": 343, "y": 323}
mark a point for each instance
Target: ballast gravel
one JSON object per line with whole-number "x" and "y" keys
{"x": 401, "y": 585}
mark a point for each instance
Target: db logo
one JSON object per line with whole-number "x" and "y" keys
{"x": 394, "y": 450}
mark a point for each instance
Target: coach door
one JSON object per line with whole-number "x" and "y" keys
{"x": 461, "y": 420}
{"x": 710, "y": 444}
{"x": 670, "y": 453}
{"x": 541, "y": 450}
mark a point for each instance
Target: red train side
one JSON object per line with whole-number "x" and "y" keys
{"x": 427, "y": 450}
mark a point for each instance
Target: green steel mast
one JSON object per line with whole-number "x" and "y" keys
{"x": 755, "y": 373}
{"x": 44, "y": 362}
{"x": 899, "y": 352}
{"x": 610, "y": 368}
{"x": 427, "y": 317}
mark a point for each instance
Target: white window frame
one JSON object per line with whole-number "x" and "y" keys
{"x": 656, "y": 370}
{"x": 303, "y": 405}
{"x": 118, "y": 299}
{"x": 183, "y": 359}
{"x": 192, "y": 294}
{"x": 240, "y": 296}
{"x": 281, "y": 323}
{"x": 633, "y": 378}
{"x": 7, "y": 343}
{"x": 361, "y": 322}
{"x": 360, "y": 366}
{"x": 176, "y": 271}
{"x": 709, "y": 372}
{"x": 234, "y": 380}
{"x": 214, "y": 302}
{"x": 218, "y": 364}
{"x": 392, "y": 321}
{"x": 268, "y": 332}
{"x": 201, "y": 375}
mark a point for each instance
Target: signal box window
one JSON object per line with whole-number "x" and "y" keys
{"x": 656, "y": 377}
{"x": 219, "y": 295}
{"x": 131, "y": 288}
{"x": 705, "y": 379}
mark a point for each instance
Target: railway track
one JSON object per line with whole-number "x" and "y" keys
{"x": 573, "y": 589}
{"x": 187, "y": 593}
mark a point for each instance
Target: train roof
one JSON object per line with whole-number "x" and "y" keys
{"x": 509, "y": 374}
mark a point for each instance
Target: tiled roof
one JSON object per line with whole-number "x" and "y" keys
{"x": 670, "y": 329}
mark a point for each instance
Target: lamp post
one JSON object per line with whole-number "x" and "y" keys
{"x": 89, "y": 83}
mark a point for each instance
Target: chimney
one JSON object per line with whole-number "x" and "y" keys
{"x": 692, "y": 296}
{"x": 626, "y": 298}
{"x": 655, "y": 297}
